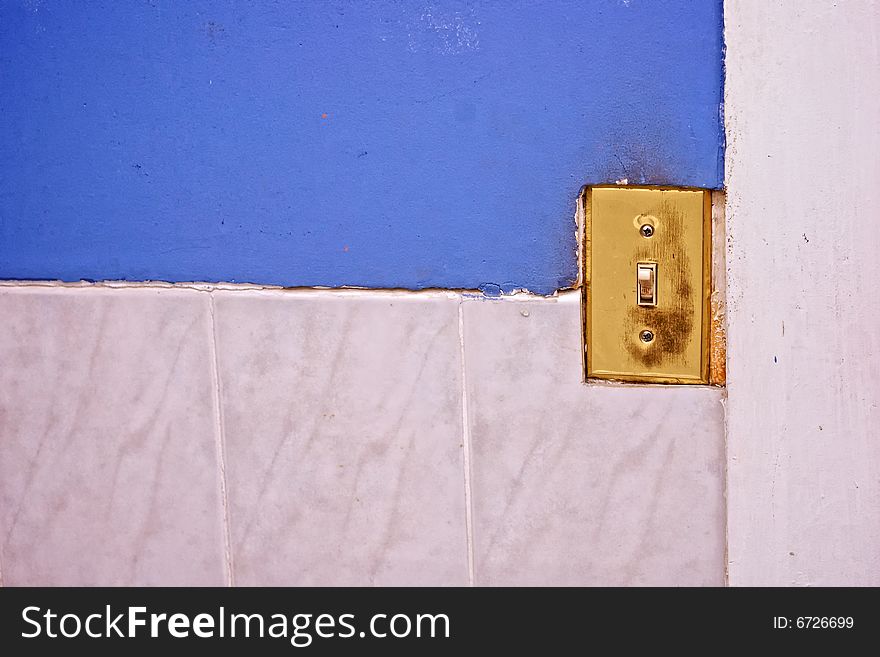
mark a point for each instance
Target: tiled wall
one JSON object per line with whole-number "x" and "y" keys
{"x": 158, "y": 435}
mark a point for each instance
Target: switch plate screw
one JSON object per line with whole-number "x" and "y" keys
{"x": 646, "y": 336}
{"x": 646, "y": 230}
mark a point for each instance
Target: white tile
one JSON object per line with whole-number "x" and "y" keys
{"x": 343, "y": 432}
{"x": 578, "y": 484}
{"x": 108, "y": 468}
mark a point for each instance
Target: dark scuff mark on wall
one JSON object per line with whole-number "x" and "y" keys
{"x": 641, "y": 163}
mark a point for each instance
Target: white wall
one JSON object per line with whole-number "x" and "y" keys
{"x": 803, "y": 176}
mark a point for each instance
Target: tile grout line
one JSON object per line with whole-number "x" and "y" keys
{"x": 221, "y": 451}
{"x": 466, "y": 443}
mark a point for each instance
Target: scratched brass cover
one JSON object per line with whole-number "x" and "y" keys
{"x": 680, "y": 245}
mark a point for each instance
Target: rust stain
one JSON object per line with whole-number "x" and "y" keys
{"x": 717, "y": 342}
{"x": 672, "y": 324}
{"x": 717, "y": 300}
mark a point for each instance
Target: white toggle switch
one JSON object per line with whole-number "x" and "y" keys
{"x": 646, "y": 274}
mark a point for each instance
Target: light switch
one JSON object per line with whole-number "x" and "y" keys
{"x": 647, "y": 275}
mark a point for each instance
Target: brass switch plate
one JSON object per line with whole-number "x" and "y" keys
{"x": 629, "y": 229}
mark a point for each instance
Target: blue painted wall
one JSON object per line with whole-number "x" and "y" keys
{"x": 383, "y": 144}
